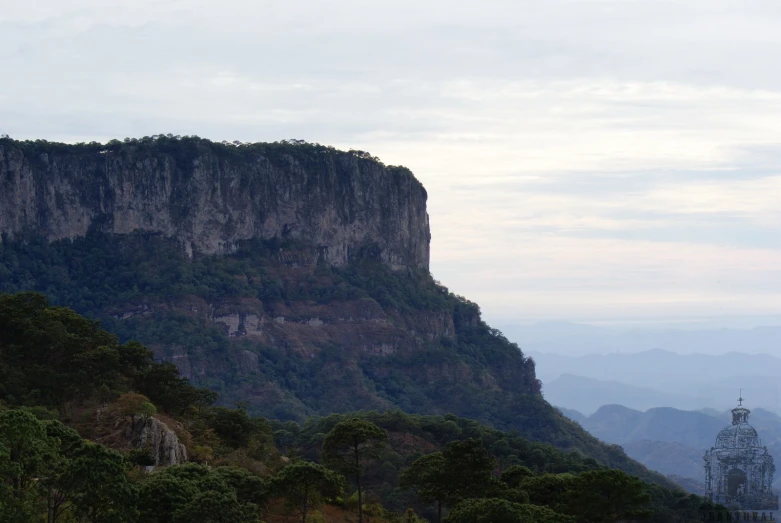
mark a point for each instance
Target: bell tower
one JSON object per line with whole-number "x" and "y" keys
{"x": 739, "y": 470}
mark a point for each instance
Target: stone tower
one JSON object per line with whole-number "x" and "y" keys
{"x": 738, "y": 469}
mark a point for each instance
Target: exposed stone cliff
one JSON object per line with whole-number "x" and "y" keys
{"x": 211, "y": 196}
{"x": 160, "y": 441}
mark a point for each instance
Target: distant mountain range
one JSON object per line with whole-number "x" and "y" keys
{"x": 673, "y": 441}
{"x": 621, "y": 425}
{"x": 657, "y": 377}
{"x": 586, "y": 395}
{"x": 681, "y": 463}
{"x": 663, "y": 395}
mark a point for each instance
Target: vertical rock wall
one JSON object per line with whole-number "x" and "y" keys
{"x": 210, "y": 196}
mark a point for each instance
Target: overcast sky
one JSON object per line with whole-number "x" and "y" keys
{"x": 583, "y": 159}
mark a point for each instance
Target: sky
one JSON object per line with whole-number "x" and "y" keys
{"x": 588, "y": 160}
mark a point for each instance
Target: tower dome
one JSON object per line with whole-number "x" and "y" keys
{"x": 740, "y": 434}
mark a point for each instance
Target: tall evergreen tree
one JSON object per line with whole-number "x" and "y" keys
{"x": 349, "y": 445}
{"x": 303, "y": 486}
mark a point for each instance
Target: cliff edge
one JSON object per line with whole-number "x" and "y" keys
{"x": 210, "y": 196}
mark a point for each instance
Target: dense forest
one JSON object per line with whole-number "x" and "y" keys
{"x": 72, "y": 395}
{"x": 475, "y": 373}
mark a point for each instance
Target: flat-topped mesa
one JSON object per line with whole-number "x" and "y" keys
{"x": 211, "y": 196}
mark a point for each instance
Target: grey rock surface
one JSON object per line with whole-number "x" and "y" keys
{"x": 162, "y": 442}
{"x": 211, "y": 196}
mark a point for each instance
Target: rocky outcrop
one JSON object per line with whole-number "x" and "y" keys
{"x": 161, "y": 442}
{"x": 212, "y": 196}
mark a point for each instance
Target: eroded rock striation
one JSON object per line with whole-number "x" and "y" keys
{"x": 211, "y": 196}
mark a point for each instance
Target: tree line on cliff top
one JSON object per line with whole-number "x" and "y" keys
{"x": 184, "y": 149}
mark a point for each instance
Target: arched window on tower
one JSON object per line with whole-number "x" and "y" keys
{"x": 736, "y": 482}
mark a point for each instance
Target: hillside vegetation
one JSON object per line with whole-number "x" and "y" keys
{"x": 72, "y": 394}
{"x": 445, "y": 358}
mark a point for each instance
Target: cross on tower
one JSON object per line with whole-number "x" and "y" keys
{"x": 740, "y": 399}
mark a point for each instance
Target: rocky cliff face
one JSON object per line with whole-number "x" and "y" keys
{"x": 161, "y": 442}
{"x": 211, "y": 196}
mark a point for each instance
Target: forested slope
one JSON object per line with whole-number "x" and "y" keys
{"x": 290, "y": 277}
{"x": 60, "y": 372}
